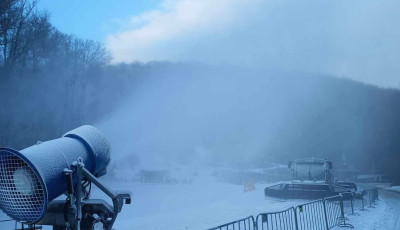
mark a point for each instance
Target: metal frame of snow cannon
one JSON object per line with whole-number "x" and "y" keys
{"x": 77, "y": 212}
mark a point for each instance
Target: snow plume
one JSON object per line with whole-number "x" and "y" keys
{"x": 195, "y": 116}
{"x": 355, "y": 39}
{"x": 203, "y": 116}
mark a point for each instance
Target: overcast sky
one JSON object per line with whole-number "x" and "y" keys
{"x": 358, "y": 39}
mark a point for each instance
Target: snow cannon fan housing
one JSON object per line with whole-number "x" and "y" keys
{"x": 31, "y": 178}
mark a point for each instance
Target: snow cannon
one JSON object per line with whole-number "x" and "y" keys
{"x": 31, "y": 178}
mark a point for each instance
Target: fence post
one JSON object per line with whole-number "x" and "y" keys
{"x": 362, "y": 203}
{"x": 255, "y": 222}
{"x": 295, "y": 219}
{"x": 373, "y": 196}
{"x": 343, "y": 218}
{"x": 377, "y": 193}
{"x": 352, "y": 203}
{"x": 341, "y": 207}
{"x": 325, "y": 215}
{"x": 369, "y": 198}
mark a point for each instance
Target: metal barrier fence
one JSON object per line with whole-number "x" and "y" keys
{"x": 367, "y": 197}
{"x": 360, "y": 200}
{"x": 372, "y": 195}
{"x": 311, "y": 216}
{"x": 247, "y": 223}
{"x": 349, "y": 199}
{"x": 316, "y": 215}
{"x": 285, "y": 220}
{"x": 334, "y": 207}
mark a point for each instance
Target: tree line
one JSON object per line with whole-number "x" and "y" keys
{"x": 28, "y": 40}
{"x": 51, "y": 82}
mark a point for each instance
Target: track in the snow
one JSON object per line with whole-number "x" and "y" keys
{"x": 393, "y": 202}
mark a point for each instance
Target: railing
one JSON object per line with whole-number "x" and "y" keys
{"x": 321, "y": 214}
{"x": 311, "y": 215}
{"x": 373, "y": 195}
{"x": 366, "y": 197}
{"x": 334, "y": 210}
{"x": 360, "y": 200}
{"x": 349, "y": 199}
{"x": 247, "y": 223}
{"x": 285, "y": 220}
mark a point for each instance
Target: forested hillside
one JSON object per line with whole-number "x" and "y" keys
{"x": 51, "y": 82}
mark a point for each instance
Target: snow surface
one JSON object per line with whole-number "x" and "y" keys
{"x": 396, "y": 188}
{"x": 207, "y": 203}
{"x": 200, "y": 205}
{"x": 6, "y": 225}
{"x": 384, "y": 215}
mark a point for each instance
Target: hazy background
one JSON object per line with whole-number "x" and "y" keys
{"x": 353, "y": 39}
{"x": 208, "y": 83}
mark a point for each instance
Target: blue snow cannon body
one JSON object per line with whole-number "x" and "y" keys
{"x": 32, "y": 177}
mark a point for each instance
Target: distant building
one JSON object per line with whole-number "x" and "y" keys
{"x": 346, "y": 173}
{"x": 157, "y": 176}
{"x": 373, "y": 178}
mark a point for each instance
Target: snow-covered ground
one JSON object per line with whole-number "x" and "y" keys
{"x": 395, "y": 188}
{"x": 203, "y": 204}
{"x": 8, "y": 225}
{"x": 207, "y": 203}
{"x": 384, "y": 215}
{"x": 200, "y": 205}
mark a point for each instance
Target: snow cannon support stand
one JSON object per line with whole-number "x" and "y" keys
{"x": 78, "y": 212}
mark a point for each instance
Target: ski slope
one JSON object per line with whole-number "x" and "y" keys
{"x": 207, "y": 203}
{"x": 196, "y": 206}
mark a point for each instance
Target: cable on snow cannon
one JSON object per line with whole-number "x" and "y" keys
{"x": 32, "y": 178}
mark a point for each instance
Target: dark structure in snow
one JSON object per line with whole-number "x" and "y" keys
{"x": 160, "y": 176}
{"x": 312, "y": 179}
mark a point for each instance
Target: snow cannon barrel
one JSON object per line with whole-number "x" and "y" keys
{"x": 31, "y": 178}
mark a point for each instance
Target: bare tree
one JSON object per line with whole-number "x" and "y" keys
{"x": 35, "y": 43}
{"x": 13, "y": 17}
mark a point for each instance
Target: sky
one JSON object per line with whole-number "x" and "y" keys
{"x": 94, "y": 19}
{"x": 353, "y": 39}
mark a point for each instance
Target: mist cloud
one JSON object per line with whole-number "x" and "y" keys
{"x": 356, "y": 39}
